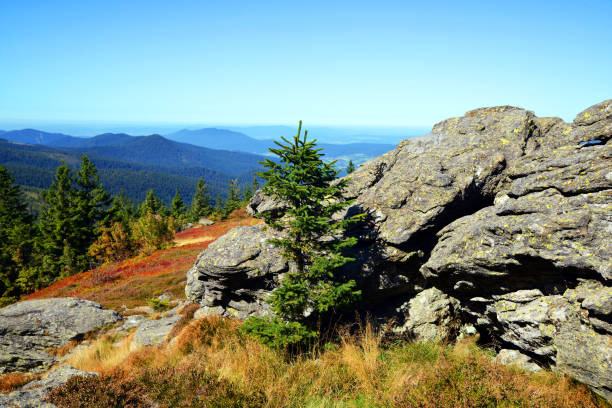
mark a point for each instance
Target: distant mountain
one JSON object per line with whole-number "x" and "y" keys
{"x": 106, "y": 139}
{"x": 34, "y": 166}
{"x": 231, "y": 140}
{"x": 214, "y": 138}
{"x": 32, "y": 136}
{"x": 159, "y": 151}
{"x": 152, "y": 150}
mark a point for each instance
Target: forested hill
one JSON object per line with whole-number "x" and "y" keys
{"x": 230, "y": 140}
{"x": 34, "y": 166}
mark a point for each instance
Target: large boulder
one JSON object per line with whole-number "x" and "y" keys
{"x": 236, "y": 272}
{"x": 509, "y": 215}
{"x": 29, "y": 329}
{"x": 33, "y": 393}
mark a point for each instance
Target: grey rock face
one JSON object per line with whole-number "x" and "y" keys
{"x": 236, "y": 272}
{"x": 153, "y": 332}
{"x": 32, "y": 394}
{"x": 28, "y": 329}
{"x": 507, "y": 213}
{"x": 514, "y": 357}
{"x": 430, "y": 316}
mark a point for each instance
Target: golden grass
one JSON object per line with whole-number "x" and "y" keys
{"x": 103, "y": 355}
{"x": 11, "y": 381}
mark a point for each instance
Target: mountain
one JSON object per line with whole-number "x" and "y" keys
{"x": 106, "y": 139}
{"x": 221, "y": 139}
{"x": 231, "y": 140}
{"x": 153, "y": 150}
{"x": 32, "y": 136}
{"x": 34, "y": 166}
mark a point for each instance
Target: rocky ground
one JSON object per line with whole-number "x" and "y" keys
{"x": 507, "y": 215}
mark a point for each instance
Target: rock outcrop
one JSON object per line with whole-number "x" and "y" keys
{"x": 30, "y": 329}
{"x": 506, "y": 214}
{"x": 33, "y": 393}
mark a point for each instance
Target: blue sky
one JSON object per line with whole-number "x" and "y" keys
{"x": 382, "y": 63}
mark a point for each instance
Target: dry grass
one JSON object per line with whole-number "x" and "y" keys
{"x": 358, "y": 371}
{"x": 103, "y": 355}
{"x": 11, "y": 381}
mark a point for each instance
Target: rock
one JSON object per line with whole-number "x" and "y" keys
{"x": 507, "y": 214}
{"x": 514, "y": 357}
{"x": 430, "y": 316}
{"x": 205, "y": 222}
{"x": 32, "y": 394}
{"x": 29, "y": 329}
{"x": 131, "y": 322}
{"x": 236, "y": 272}
{"x": 154, "y": 332}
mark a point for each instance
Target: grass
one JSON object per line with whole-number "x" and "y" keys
{"x": 210, "y": 363}
{"x": 134, "y": 281}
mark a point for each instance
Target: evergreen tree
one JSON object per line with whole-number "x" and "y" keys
{"x": 177, "y": 207}
{"x": 233, "y": 201}
{"x": 152, "y": 205}
{"x": 350, "y": 168}
{"x": 92, "y": 203}
{"x": 219, "y": 205}
{"x": 200, "y": 205}
{"x": 248, "y": 193}
{"x": 60, "y": 227}
{"x": 121, "y": 210}
{"x": 16, "y": 237}
{"x": 255, "y": 184}
{"x": 310, "y": 291}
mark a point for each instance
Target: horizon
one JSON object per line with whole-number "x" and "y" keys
{"x": 395, "y": 64}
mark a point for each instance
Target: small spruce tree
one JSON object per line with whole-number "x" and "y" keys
{"x": 177, "y": 207}
{"x": 350, "y": 168}
{"x": 234, "y": 201}
{"x": 311, "y": 291}
{"x": 200, "y": 205}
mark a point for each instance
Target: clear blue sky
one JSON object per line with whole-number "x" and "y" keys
{"x": 364, "y": 63}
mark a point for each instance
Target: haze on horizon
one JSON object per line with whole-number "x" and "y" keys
{"x": 393, "y": 64}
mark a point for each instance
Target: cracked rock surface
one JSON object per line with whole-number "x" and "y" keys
{"x": 30, "y": 328}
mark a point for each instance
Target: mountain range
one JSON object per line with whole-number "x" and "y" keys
{"x": 138, "y": 163}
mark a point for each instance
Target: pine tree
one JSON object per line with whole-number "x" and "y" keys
{"x": 200, "y": 205}
{"x": 60, "y": 227}
{"x": 92, "y": 203}
{"x": 248, "y": 193}
{"x": 16, "y": 237}
{"x": 255, "y": 184}
{"x": 152, "y": 205}
{"x": 350, "y": 168}
{"x": 219, "y": 205}
{"x": 310, "y": 291}
{"x": 233, "y": 201}
{"x": 177, "y": 207}
{"x": 121, "y": 210}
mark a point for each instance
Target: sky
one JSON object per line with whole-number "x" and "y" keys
{"x": 358, "y": 63}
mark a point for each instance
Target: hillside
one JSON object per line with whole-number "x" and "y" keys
{"x": 34, "y": 166}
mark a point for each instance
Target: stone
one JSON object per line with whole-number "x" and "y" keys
{"x": 430, "y": 316}
{"x": 516, "y": 358}
{"x": 153, "y": 332}
{"x": 32, "y": 394}
{"x": 30, "y": 328}
{"x": 131, "y": 322}
{"x": 205, "y": 222}
{"x": 236, "y": 272}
